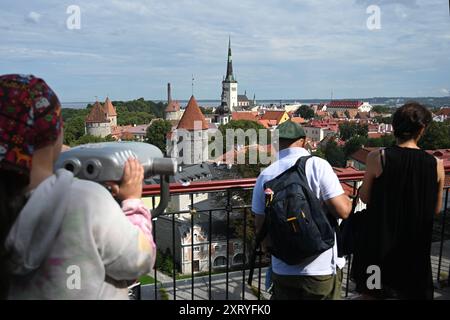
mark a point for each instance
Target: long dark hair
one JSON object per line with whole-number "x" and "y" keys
{"x": 12, "y": 200}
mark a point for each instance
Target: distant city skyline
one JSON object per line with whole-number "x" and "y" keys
{"x": 299, "y": 50}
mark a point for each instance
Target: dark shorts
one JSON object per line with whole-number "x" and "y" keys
{"x": 307, "y": 287}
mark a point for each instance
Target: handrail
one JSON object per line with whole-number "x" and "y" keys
{"x": 221, "y": 185}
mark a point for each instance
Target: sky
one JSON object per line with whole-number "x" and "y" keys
{"x": 282, "y": 49}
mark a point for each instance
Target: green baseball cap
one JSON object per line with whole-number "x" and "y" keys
{"x": 290, "y": 130}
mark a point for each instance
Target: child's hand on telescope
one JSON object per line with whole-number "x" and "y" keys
{"x": 131, "y": 185}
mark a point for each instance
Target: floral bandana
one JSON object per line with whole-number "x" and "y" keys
{"x": 30, "y": 118}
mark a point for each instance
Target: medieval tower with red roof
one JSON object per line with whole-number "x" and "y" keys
{"x": 189, "y": 141}
{"x": 101, "y": 119}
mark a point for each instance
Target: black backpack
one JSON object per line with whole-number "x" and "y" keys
{"x": 295, "y": 221}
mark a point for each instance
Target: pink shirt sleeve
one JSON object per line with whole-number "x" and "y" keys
{"x": 138, "y": 214}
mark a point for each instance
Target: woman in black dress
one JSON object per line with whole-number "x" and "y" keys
{"x": 402, "y": 187}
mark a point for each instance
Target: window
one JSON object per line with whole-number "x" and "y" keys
{"x": 196, "y": 265}
{"x": 238, "y": 259}
{"x": 197, "y": 249}
{"x": 220, "y": 262}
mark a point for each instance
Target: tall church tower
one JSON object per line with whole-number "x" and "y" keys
{"x": 229, "y": 99}
{"x": 230, "y": 85}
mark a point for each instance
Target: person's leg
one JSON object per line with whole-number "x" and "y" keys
{"x": 318, "y": 287}
{"x": 286, "y": 287}
{"x": 336, "y": 293}
{"x": 307, "y": 287}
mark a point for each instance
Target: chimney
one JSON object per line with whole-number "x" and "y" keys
{"x": 169, "y": 93}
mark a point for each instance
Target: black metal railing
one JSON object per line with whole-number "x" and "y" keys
{"x": 231, "y": 197}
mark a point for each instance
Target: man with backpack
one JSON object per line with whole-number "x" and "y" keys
{"x": 297, "y": 201}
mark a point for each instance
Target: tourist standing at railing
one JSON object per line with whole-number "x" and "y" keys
{"x": 319, "y": 276}
{"x": 61, "y": 237}
{"x": 402, "y": 187}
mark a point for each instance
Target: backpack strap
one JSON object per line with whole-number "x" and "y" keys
{"x": 301, "y": 164}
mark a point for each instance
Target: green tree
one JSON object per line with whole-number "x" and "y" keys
{"x": 384, "y": 141}
{"x": 91, "y": 139}
{"x": 381, "y": 109}
{"x": 130, "y": 118}
{"x": 305, "y": 112}
{"x": 348, "y": 130}
{"x": 354, "y": 144}
{"x": 437, "y": 136}
{"x": 334, "y": 154}
{"x": 245, "y": 125}
{"x": 74, "y": 129}
{"x": 157, "y": 132}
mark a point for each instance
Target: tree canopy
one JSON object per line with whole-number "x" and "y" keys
{"x": 348, "y": 130}
{"x": 157, "y": 132}
{"x": 436, "y": 136}
{"x": 305, "y": 112}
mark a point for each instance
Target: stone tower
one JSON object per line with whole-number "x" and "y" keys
{"x": 98, "y": 123}
{"x": 189, "y": 142}
{"x": 172, "y": 111}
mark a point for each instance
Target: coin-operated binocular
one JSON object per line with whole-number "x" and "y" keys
{"x": 103, "y": 162}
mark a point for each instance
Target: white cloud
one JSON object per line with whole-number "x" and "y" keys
{"x": 274, "y": 42}
{"x": 445, "y": 92}
{"x": 33, "y": 17}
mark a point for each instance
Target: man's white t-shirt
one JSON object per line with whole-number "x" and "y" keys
{"x": 325, "y": 184}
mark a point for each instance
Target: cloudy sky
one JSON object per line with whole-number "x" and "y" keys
{"x": 295, "y": 49}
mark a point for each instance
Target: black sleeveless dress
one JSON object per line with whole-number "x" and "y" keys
{"x": 396, "y": 233}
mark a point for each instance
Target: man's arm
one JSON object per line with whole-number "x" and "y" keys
{"x": 259, "y": 222}
{"x": 340, "y": 206}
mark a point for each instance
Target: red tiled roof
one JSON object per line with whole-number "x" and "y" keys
{"x": 444, "y": 112}
{"x": 110, "y": 108}
{"x": 245, "y": 115}
{"x": 173, "y": 106}
{"x": 97, "y": 114}
{"x": 265, "y": 123}
{"x": 298, "y": 120}
{"x": 361, "y": 154}
{"x": 348, "y": 104}
{"x": 192, "y": 114}
{"x": 273, "y": 115}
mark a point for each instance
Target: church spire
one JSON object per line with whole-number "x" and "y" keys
{"x": 230, "y": 76}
